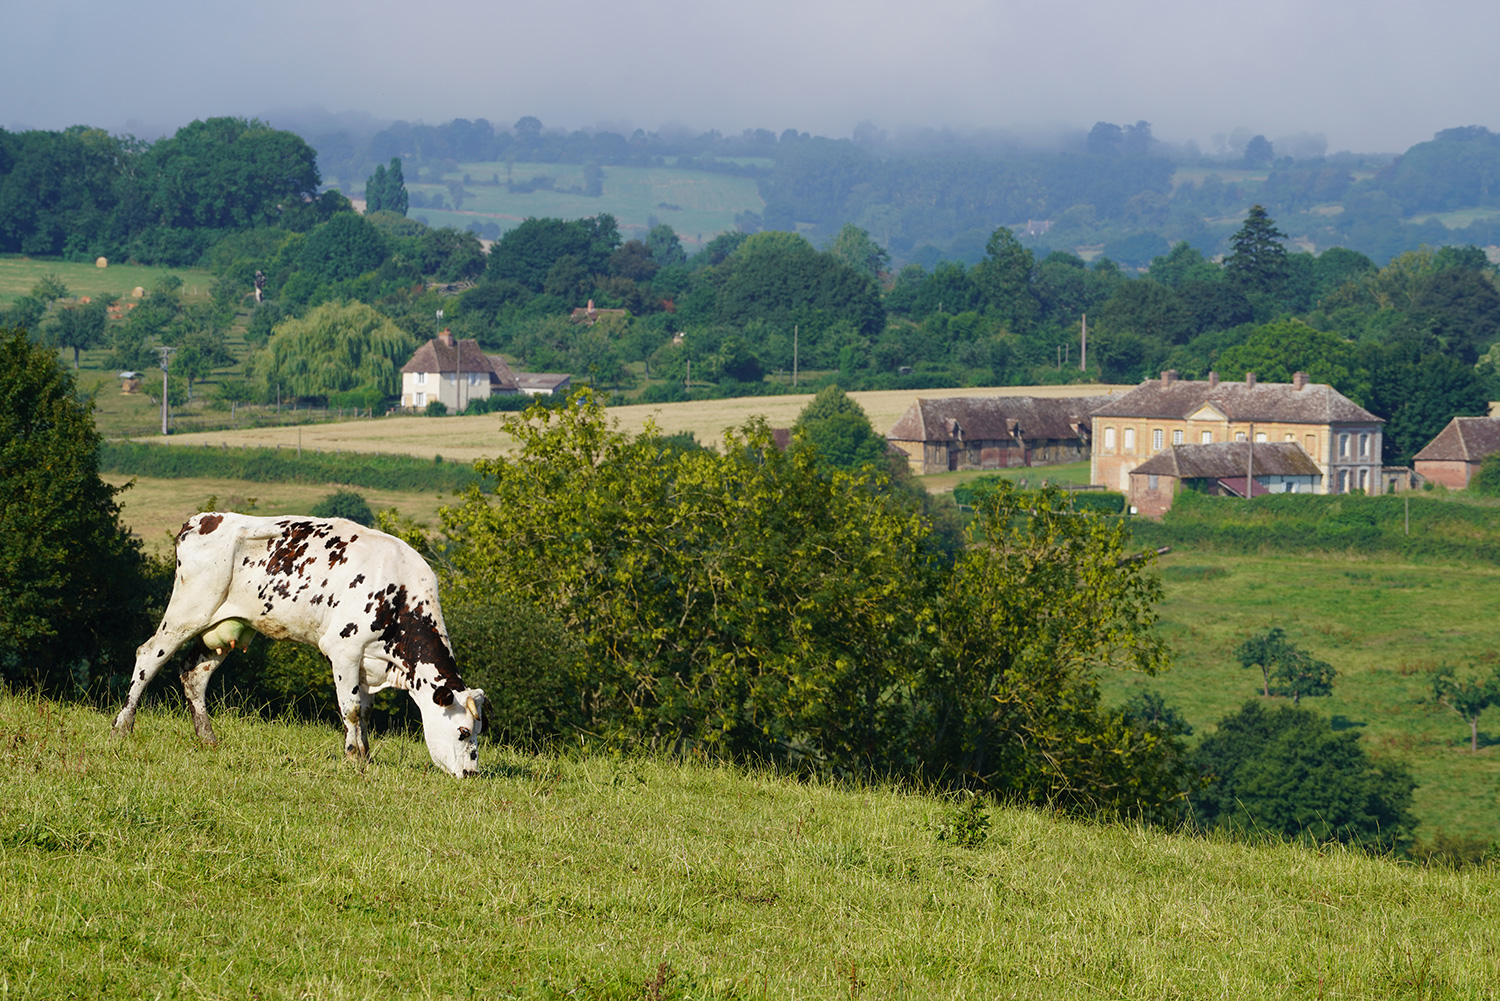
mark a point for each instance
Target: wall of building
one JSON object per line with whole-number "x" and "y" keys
{"x": 1451, "y": 473}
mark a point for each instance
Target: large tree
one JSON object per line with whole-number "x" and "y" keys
{"x": 1004, "y": 277}
{"x": 228, "y": 173}
{"x": 335, "y": 348}
{"x": 1257, "y": 256}
{"x": 73, "y": 592}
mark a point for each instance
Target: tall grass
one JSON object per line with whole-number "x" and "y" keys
{"x": 269, "y": 868}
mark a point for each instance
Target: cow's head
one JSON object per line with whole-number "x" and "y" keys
{"x": 452, "y": 732}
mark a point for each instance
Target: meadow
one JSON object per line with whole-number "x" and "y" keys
{"x": 268, "y": 867}
{"x": 19, "y": 274}
{"x": 698, "y": 205}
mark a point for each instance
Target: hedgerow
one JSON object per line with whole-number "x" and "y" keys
{"x": 271, "y": 465}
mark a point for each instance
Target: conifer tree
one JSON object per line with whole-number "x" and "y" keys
{"x": 1257, "y": 260}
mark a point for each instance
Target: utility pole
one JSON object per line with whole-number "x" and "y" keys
{"x": 1250, "y": 462}
{"x": 794, "y": 356}
{"x": 1083, "y": 346}
{"x": 166, "y": 360}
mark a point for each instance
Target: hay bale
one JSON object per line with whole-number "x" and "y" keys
{"x": 101, "y": 262}
{"x": 138, "y": 293}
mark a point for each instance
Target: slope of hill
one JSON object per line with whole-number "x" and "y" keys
{"x": 268, "y": 867}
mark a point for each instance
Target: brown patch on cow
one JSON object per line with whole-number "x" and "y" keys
{"x": 348, "y": 631}
{"x": 359, "y": 579}
{"x": 411, "y": 636}
{"x": 209, "y": 522}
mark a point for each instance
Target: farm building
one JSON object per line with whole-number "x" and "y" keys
{"x": 1226, "y": 468}
{"x": 1342, "y": 438}
{"x": 541, "y": 383}
{"x": 1453, "y": 457}
{"x": 993, "y": 432}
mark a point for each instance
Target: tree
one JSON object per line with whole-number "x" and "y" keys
{"x": 73, "y": 582}
{"x": 1275, "y": 352}
{"x": 1468, "y": 696}
{"x": 337, "y": 347}
{"x": 839, "y": 430}
{"x": 345, "y": 504}
{"x": 1258, "y": 153}
{"x": 385, "y": 191}
{"x": 1277, "y": 657}
{"x": 234, "y": 392}
{"x": 1042, "y": 601}
{"x": 1004, "y": 280}
{"x": 344, "y": 247}
{"x": 665, "y": 246}
{"x": 80, "y": 327}
{"x": 1284, "y": 771}
{"x": 1257, "y": 258}
{"x": 1181, "y": 265}
{"x": 853, "y": 246}
{"x": 228, "y": 173}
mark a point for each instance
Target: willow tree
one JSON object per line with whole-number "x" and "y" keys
{"x": 335, "y": 348}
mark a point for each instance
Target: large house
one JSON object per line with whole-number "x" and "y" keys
{"x": 453, "y": 373}
{"x": 1453, "y": 457}
{"x": 1226, "y": 468}
{"x": 1342, "y": 438}
{"x": 993, "y": 432}
{"x": 456, "y": 372}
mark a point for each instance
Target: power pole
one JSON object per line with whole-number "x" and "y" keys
{"x": 1083, "y": 346}
{"x": 166, "y": 360}
{"x": 1250, "y": 462}
{"x": 794, "y": 356}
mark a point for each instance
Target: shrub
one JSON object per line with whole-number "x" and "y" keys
{"x": 345, "y": 504}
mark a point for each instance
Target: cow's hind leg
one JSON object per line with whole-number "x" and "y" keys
{"x": 354, "y": 705}
{"x": 149, "y": 658}
{"x": 195, "y": 684}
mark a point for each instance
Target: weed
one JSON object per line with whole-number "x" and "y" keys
{"x": 966, "y": 823}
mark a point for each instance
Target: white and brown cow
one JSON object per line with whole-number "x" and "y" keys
{"x": 364, "y": 598}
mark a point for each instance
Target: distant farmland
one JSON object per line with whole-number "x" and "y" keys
{"x": 697, "y": 204}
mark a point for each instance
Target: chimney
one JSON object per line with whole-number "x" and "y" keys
{"x": 1249, "y": 380}
{"x": 1169, "y": 376}
{"x": 446, "y": 337}
{"x": 1299, "y": 379}
{"x": 1213, "y": 379}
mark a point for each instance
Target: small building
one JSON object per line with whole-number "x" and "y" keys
{"x": 589, "y": 315}
{"x": 1453, "y": 457}
{"x": 993, "y": 432}
{"x": 1229, "y": 468}
{"x": 1341, "y": 437}
{"x": 543, "y": 383}
{"x": 454, "y": 373}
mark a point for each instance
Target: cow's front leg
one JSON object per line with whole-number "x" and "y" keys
{"x": 195, "y": 685}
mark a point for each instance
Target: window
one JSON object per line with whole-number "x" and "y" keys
{"x": 421, "y": 399}
{"x": 473, "y": 378}
{"x": 1177, "y": 436}
{"x": 1260, "y": 436}
{"x": 1109, "y": 439}
{"x": 1312, "y": 444}
{"x": 1343, "y": 446}
{"x": 1207, "y": 438}
{"x": 1289, "y": 437}
{"x": 1241, "y": 436}
{"x": 421, "y": 378}
{"x": 1156, "y": 439}
{"x": 1364, "y": 446}
{"x": 1343, "y": 487}
{"x": 1151, "y": 482}
{"x": 1364, "y": 480}
{"x": 1130, "y": 439}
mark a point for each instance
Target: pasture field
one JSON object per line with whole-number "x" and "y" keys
{"x": 469, "y": 438}
{"x": 19, "y": 274}
{"x": 1383, "y": 624}
{"x": 268, "y": 867}
{"x": 696, "y": 204}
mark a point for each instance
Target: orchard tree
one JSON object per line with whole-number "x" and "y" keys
{"x": 1469, "y": 697}
{"x": 80, "y": 327}
{"x": 73, "y": 582}
{"x": 1299, "y": 672}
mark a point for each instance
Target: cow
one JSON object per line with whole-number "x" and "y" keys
{"x": 364, "y": 598}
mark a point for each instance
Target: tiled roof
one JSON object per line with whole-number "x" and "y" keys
{"x": 1465, "y": 439}
{"x": 1314, "y": 403}
{"x": 549, "y": 381}
{"x": 462, "y": 355}
{"x": 991, "y": 418}
{"x": 1228, "y": 459}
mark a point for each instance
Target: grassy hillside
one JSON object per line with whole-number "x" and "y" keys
{"x": 698, "y": 205}
{"x": 19, "y": 274}
{"x": 269, "y": 868}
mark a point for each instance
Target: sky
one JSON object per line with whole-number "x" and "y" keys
{"x": 1370, "y": 76}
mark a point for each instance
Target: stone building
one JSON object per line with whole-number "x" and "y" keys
{"x": 1342, "y": 438}
{"x": 1453, "y": 457}
{"x": 1226, "y": 468}
{"x": 993, "y": 432}
{"x": 453, "y": 372}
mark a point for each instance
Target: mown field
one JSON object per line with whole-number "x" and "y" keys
{"x": 268, "y": 867}
{"x": 698, "y": 205}
{"x": 19, "y": 274}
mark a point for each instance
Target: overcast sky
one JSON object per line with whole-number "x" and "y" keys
{"x": 1374, "y": 75}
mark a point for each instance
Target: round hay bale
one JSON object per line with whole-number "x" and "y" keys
{"x": 138, "y": 293}
{"x": 102, "y": 262}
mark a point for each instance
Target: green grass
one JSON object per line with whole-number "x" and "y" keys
{"x": 269, "y": 868}
{"x": 1385, "y": 624}
{"x": 706, "y": 202}
{"x": 19, "y": 274}
{"x": 1459, "y": 218}
{"x": 1066, "y": 474}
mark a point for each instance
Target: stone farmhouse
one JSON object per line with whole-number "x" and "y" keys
{"x": 1342, "y": 438}
{"x": 1226, "y": 468}
{"x": 1453, "y": 457}
{"x": 456, "y": 372}
{"x": 993, "y": 432}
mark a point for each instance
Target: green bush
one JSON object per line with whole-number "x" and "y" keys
{"x": 345, "y": 504}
